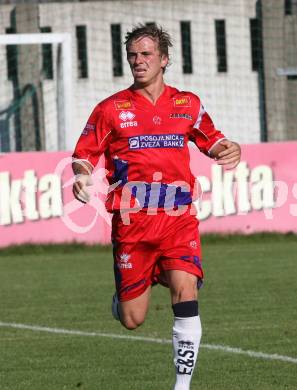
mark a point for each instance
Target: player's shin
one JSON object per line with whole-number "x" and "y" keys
{"x": 186, "y": 339}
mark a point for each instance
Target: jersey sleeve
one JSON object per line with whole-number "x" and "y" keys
{"x": 204, "y": 134}
{"x": 93, "y": 140}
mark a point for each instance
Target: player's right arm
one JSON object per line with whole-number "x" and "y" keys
{"x": 91, "y": 144}
{"x": 82, "y": 178}
{"x": 212, "y": 142}
{"x": 226, "y": 153}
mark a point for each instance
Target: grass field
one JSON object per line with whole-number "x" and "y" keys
{"x": 249, "y": 301}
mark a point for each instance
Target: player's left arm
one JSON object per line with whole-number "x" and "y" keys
{"x": 226, "y": 153}
{"x": 213, "y": 142}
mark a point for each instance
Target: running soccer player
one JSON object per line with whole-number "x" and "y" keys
{"x": 143, "y": 132}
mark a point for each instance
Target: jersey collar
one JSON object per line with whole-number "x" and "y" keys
{"x": 162, "y": 99}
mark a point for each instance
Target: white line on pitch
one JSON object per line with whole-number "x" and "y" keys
{"x": 214, "y": 347}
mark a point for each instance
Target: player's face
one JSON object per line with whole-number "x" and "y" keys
{"x": 145, "y": 61}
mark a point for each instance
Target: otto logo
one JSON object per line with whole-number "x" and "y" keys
{"x": 126, "y": 116}
{"x": 183, "y": 101}
{"x": 123, "y": 105}
{"x": 123, "y": 263}
{"x": 134, "y": 142}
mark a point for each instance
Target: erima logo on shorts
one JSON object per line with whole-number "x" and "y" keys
{"x": 124, "y": 261}
{"x": 151, "y": 141}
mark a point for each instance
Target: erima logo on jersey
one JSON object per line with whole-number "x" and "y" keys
{"x": 123, "y": 105}
{"x": 126, "y": 116}
{"x": 123, "y": 125}
{"x": 183, "y": 101}
{"x": 151, "y": 141}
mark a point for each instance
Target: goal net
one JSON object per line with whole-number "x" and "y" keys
{"x": 36, "y": 98}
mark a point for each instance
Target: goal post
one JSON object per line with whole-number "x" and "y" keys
{"x": 64, "y": 72}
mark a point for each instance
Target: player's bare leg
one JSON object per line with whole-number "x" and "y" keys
{"x": 187, "y": 326}
{"x": 132, "y": 313}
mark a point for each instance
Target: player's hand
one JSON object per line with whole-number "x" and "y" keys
{"x": 79, "y": 189}
{"x": 230, "y": 157}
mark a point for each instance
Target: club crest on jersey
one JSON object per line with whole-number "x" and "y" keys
{"x": 182, "y": 101}
{"x": 123, "y": 105}
{"x": 157, "y": 120}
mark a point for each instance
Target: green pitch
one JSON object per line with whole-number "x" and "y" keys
{"x": 249, "y": 301}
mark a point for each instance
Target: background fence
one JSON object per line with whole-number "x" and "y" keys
{"x": 240, "y": 57}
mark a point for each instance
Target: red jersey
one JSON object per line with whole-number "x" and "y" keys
{"x": 145, "y": 144}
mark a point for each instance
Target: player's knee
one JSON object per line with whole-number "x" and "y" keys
{"x": 184, "y": 292}
{"x": 132, "y": 322}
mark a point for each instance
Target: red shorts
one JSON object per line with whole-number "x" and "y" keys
{"x": 150, "y": 245}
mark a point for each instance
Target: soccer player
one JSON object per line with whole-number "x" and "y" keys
{"x": 143, "y": 132}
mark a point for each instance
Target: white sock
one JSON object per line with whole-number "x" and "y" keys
{"x": 186, "y": 339}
